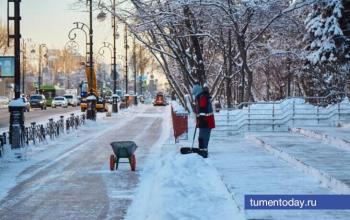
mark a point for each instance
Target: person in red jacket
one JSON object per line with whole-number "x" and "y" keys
{"x": 205, "y": 119}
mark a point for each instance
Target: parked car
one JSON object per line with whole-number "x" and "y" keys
{"x": 59, "y": 101}
{"x": 109, "y": 99}
{"x": 38, "y": 101}
{"x": 78, "y": 100}
{"x": 160, "y": 100}
{"x": 71, "y": 99}
{"x": 26, "y": 103}
{"x": 142, "y": 99}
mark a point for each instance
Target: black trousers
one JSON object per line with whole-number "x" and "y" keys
{"x": 203, "y": 138}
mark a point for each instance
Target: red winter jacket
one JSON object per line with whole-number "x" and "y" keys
{"x": 204, "y": 111}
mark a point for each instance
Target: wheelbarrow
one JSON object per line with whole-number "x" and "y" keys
{"x": 123, "y": 149}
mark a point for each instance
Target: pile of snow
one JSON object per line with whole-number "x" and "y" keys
{"x": 182, "y": 187}
{"x": 17, "y": 103}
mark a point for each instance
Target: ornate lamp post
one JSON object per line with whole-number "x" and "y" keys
{"x": 41, "y": 55}
{"x": 102, "y": 16}
{"x": 126, "y": 46}
{"x": 135, "y": 71}
{"x": 72, "y": 36}
{"x": 109, "y": 46}
{"x": 24, "y": 62}
{"x": 88, "y": 31}
{"x": 71, "y": 47}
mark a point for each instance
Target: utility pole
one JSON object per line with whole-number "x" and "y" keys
{"x": 16, "y": 18}
{"x": 17, "y": 48}
{"x": 17, "y": 106}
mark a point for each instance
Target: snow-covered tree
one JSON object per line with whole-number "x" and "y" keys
{"x": 327, "y": 48}
{"x": 326, "y": 40}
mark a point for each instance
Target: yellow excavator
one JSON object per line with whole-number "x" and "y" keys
{"x": 101, "y": 105}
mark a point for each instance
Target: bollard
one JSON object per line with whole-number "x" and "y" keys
{"x": 91, "y": 107}
{"x": 16, "y": 108}
{"x": 135, "y": 100}
{"x": 115, "y": 98}
{"x": 4, "y": 138}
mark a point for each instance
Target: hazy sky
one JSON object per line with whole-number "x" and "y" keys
{"x": 49, "y": 21}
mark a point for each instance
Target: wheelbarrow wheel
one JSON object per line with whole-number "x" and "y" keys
{"x": 133, "y": 162}
{"x": 112, "y": 162}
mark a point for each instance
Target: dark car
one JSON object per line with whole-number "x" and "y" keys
{"x": 38, "y": 101}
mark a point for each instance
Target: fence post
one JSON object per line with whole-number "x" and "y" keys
{"x": 338, "y": 111}
{"x": 293, "y": 116}
{"x": 273, "y": 116}
{"x": 248, "y": 117}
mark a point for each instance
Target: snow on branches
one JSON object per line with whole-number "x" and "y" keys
{"x": 325, "y": 37}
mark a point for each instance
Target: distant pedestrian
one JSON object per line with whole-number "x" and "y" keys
{"x": 205, "y": 119}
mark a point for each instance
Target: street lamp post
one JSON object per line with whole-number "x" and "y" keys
{"x": 102, "y": 16}
{"x": 71, "y": 47}
{"x": 91, "y": 100}
{"x": 40, "y": 77}
{"x": 109, "y": 46}
{"x": 24, "y": 63}
{"x": 135, "y": 70}
{"x": 91, "y": 49}
{"x": 126, "y": 57}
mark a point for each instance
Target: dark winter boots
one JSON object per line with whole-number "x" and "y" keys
{"x": 202, "y": 150}
{"x": 203, "y": 153}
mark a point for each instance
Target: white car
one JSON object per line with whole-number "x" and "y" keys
{"x": 59, "y": 101}
{"x": 72, "y": 100}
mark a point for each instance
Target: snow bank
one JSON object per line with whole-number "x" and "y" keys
{"x": 182, "y": 187}
{"x": 17, "y": 103}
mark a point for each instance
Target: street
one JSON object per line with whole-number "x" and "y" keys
{"x": 79, "y": 185}
{"x": 34, "y": 115}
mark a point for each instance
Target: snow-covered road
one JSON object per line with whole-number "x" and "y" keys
{"x": 76, "y": 183}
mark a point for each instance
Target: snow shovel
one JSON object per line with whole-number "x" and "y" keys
{"x": 189, "y": 150}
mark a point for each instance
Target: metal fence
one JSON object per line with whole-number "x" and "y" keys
{"x": 282, "y": 115}
{"x": 36, "y": 133}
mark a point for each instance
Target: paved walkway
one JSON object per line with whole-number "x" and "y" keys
{"x": 325, "y": 158}
{"x": 79, "y": 185}
{"x": 247, "y": 168}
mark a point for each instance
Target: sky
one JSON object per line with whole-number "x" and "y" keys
{"x": 49, "y": 21}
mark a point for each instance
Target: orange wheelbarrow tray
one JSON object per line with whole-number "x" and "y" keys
{"x": 123, "y": 149}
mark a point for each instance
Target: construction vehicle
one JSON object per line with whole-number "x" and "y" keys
{"x": 101, "y": 105}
